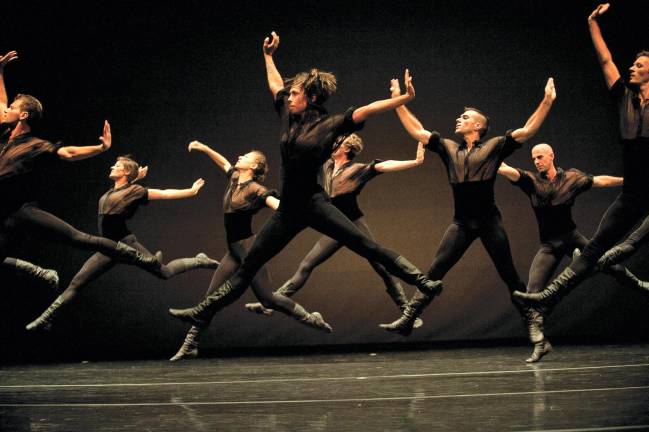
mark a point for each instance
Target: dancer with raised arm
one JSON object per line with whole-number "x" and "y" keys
{"x": 307, "y": 137}
{"x": 24, "y": 164}
{"x": 343, "y": 180}
{"x": 472, "y": 166}
{"x": 632, "y": 205}
{"x": 117, "y": 206}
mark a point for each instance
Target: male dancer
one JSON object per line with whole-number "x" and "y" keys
{"x": 472, "y": 166}
{"x": 343, "y": 180}
{"x": 24, "y": 162}
{"x": 552, "y": 192}
{"x": 632, "y": 204}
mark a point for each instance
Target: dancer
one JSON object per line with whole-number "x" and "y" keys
{"x": 472, "y": 166}
{"x": 26, "y": 269}
{"x": 116, "y": 206}
{"x": 24, "y": 162}
{"x": 343, "y": 180}
{"x": 632, "y": 205}
{"x": 552, "y": 192}
{"x": 307, "y": 139}
{"x": 243, "y": 198}
{"x": 627, "y": 248}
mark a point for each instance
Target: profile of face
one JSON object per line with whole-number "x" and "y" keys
{"x": 639, "y": 71}
{"x": 469, "y": 121}
{"x": 12, "y": 114}
{"x": 247, "y": 161}
{"x": 297, "y": 100}
{"x": 117, "y": 171}
{"x": 543, "y": 158}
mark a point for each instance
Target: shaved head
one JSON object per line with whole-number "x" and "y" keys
{"x": 543, "y": 158}
{"x": 542, "y": 148}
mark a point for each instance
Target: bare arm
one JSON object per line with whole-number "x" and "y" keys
{"x": 538, "y": 117}
{"x": 611, "y": 74}
{"x": 362, "y": 113}
{"x": 275, "y": 81}
{"x": 10, "y": 56}
{"x": 509, "y": 172}
{"x": 412, "y": 125}
{"x": 602, "y": 181}
{"x": 272, "y": 202}
{"x": 214, "y": 155}
{"x": 392, "y": 165}
{"x": 166, "y": 194}
{"x": 75, "y": 153}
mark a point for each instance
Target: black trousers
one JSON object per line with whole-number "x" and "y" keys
{"x": 459, "y": 236}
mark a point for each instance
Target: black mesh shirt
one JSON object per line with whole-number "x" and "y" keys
{"x": 472, "y": 173}
{"x": 307, "y": 143}
{"x": 117, "y": 206}
{"x": 240, "y": 203}
{"x": 552, "y": 201}
{"x": 344, "y": 185}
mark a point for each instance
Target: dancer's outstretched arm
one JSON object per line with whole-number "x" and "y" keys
{"x": 393, "y": 165}
{"x": 509, "y": 172}
{"x": 10, "y": 56}
{"x": 602, "y": 181}
{"x": 167, "y": 194}
{"x": 380, "y": 106}
{"x": 412, "y": 125}
{"x": 75, "y": 153}
{"x": 611, "y": 73}
{"x": 538, "y": 117}
{"x": 217, "y": 157}
{"x": 275, "y": 81}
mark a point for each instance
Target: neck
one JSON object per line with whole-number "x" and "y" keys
{"x": 20, "y": 129}
{"x": 120, "y": 182}
{"x": 644, "y": 92}
{"x": 551, "y": 173}
{"x": 471, "y": 138}
{"x": 244, "y": 176}
{"x": 340, "y": 160}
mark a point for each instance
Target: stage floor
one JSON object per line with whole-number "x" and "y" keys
{"x": 576, "y": 388}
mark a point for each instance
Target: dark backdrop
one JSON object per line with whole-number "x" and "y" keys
{"x": 167, "y": 74}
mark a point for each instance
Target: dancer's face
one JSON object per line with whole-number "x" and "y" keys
{"x": 247, "y": 161}
{"x": 297, "y": 101}
{"x": 12, "y": 114}
{"x": 117, "y": 171}
{"x": 469, "y": 121}
{"x": 543, "y": 158}
{"x": 639, "y": 71}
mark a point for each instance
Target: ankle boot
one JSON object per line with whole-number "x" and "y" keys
{"x": 126, "y": 254}
{"x": 540, "y": 349}
{"x": 398, "y": 296}
{"x": 410, "y": 274}
{"x": 532, "y": 318}
{"x": 48, "y": 276}
{"x": 546, "y": 300}
{"x": 625, "y": 277}
{"x": 202, "y": 313}
{"x": 405, "y": 323}
{"x": 314, "y": 319}
{"x": 44, "y": 322}
{"x": 615, "y": 255}
{"x": 189, "y": 348}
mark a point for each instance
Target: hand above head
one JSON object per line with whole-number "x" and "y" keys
{"x": 142, "y": 172}
{"x": 271, "y": 45}
{"x": 599, "y": 11}
{"x": 10, "y": 56}
{"x": 198, "y": 184}
{"x": 395, "y": 89}
{"x": 195, "y": 145}
{"x": 421, "y": 152}
{"x": 550, "y": 91}
{"x": 407, "y": 82}
{"x": 106, "y": 139}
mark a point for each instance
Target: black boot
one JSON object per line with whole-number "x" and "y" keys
{"x": 540, "y": 349}
{"x": 189, "y": 348}
{"x": 615, "y": 255}
{"x": 126, "y": 254}
{"x": 44, "y": 322}
{"x": 532, "y": 319}
{"x": 405, "y": 323}
{"x": 547, "y": 299}
{"x": 202, "y": 313}
{"x": 313, "y": 320}
{"x": 398, "y": 296}
{"x": 49, "y": 276}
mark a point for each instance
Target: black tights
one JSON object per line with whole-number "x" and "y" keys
{"x": 459, "y": 236}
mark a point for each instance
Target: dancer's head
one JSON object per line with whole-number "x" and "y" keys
{"x": 348, "y": 145}
{"x": 470, "y": 121}
{"x": 255, "y": 161}
{"x": 24, "y": 108}
{"x": 543, "y": 157}
{"x": 314, "y": 86}
{"x": 125, "y": 167}
{"x": 639, "y": 70}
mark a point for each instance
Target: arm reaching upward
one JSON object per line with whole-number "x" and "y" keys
{"x": 538, "y": 117}
{"x": 165, "y": 194}
{"x": 10, "y": 56}
{"x": 214, "y": 155}
{"x": 362, "y": 113}
{"x": 601, "y": 181}
{"x": 611, "y": 73}
{"x": 509, "y": 172}
{"x": 392, "y": 165}
{"x": 412, "y": 125}
{"x": 275, "y": 81}
{"x": 75, "y": 153}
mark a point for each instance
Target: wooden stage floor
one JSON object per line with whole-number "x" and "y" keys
{"x": 576, "y": 388}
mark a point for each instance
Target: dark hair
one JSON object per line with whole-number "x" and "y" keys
{"x": 32, "y": 107}
{"x": 259, "y": 173}
{"x": 130, "y": 166}
{"x": 643, "y": 53}
{"x": 482, "y": 132}
{"x": 315, "y": 83}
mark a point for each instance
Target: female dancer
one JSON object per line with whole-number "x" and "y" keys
{"x": 343, "y": 181}
{"x": 244, "y": 197}
{"x": 116, "y": 206}
{"x": 307, "y": 137}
